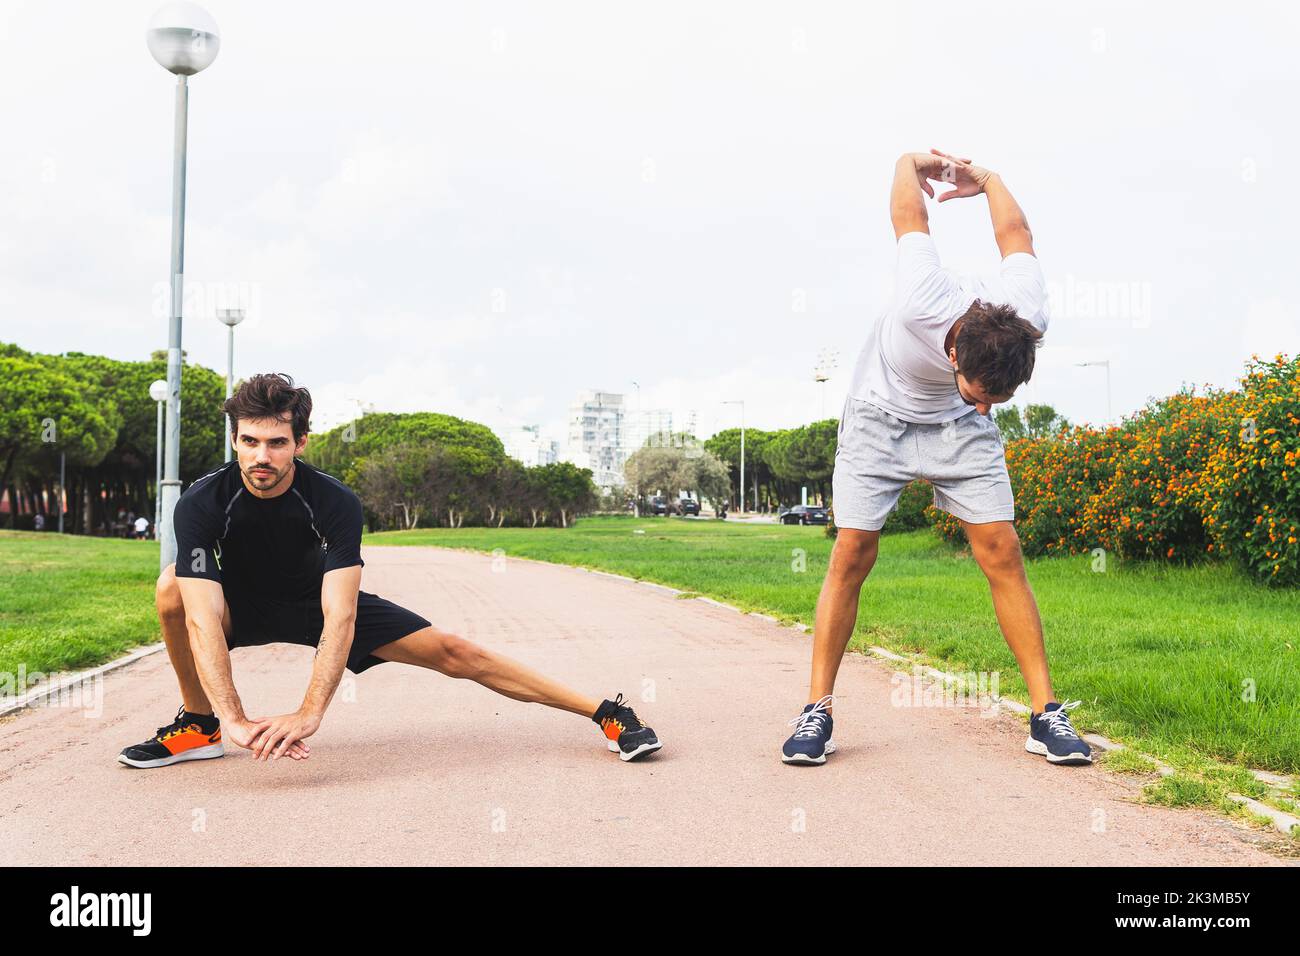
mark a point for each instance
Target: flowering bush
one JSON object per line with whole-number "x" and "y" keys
{"x": 1051, "y": 479}
{"x": 1150, "y": 507}
{"x": 1187, "y": 476}
{"x": 1249, "y": 493}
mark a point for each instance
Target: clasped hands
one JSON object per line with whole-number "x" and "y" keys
{"x": 270, "y": 738}
{"x": 962, "y": 174}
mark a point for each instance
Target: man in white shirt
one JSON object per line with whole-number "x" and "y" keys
{"x": 948, "y": 349}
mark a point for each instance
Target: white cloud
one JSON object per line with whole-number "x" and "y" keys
{"x": 1271, "y": 326}
{"x": 448, "y": 206}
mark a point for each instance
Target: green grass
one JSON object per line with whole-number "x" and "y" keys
{"x": 1126, "y": 761}
{"x": 68, "y": 602}
{"x": 1159, "y": 654}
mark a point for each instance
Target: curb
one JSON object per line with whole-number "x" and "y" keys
{"x": 78, "y": 677}
{"x": 1283, "y": 822}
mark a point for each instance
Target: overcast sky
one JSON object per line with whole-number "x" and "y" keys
{"x": 482, "y": 208}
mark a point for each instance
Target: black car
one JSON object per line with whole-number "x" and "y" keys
{"x": 806, "y": 514}
{"x": 657, "y": 506}
{"x": 688, "y": 506}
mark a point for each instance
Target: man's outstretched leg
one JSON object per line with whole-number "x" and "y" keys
{"x": 851, "y": 561}
{"x": 457, "y": 657}
{"x": 996, "y": 548}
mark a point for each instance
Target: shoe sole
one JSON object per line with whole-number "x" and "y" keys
{"x": 804, "y": 758}
{"x": 194, "y": 753}
{"x": 633, "y": 754}
{"x": 1038, "y": 747}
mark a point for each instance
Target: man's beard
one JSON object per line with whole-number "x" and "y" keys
{"x": 265, "y": 482}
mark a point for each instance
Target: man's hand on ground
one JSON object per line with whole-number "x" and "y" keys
{"x": 966, "y": 178}
{"x": 242, "y": 732}
{"x": 284, "y": 735}
{"x": 245, "y": 733}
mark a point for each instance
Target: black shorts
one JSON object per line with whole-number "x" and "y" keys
{"x": 256, "y": 621}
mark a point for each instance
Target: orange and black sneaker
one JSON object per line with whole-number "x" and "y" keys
{"x": 188, "y": 737}
{"x": 628, "y": 736}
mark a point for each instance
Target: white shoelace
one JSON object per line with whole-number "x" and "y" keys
{"x": 809, "y": 723}
{"x": 1058, "y": 722}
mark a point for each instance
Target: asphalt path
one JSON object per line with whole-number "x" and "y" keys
{"x": 412, "y": 767}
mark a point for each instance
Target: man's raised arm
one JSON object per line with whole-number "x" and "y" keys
{"x": 907, "y": 198}
{"x": 1010, "y": 227}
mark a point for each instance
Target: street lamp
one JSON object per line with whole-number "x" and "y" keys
{"x": 741, "y": 403}
{"x": 640, "y": 423}
{"x": 231, "y": 318}
{"x": 183, "y": 38}
{"x": 640, "y": 419}
{"x": 827, "y": 360}
{"x": 1106, "y": 363}
{"x": 158, "y": 392}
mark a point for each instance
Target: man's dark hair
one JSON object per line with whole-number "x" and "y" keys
{"x": 272, "y": 395}
{"x": 995, "y": 348}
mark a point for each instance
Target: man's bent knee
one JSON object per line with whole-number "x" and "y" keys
{"x": 167, "y": 595}
{"x": 998, "y": 552}
{"x": 446, "y": 653}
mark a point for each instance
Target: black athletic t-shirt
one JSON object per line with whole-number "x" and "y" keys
{"x": 268, "y": 549}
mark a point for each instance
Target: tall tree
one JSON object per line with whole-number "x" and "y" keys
{"x": 805, "y": 455}
{"x": 1042, "y": 421}
{"x": 1009, "y": 422}
{"x": 340, "y": 449}
{"x": 1035, "y": 421}
{"x": 670, "y": 470}
{"x": 758, "y": 473}
{"x": 567, "y": 489}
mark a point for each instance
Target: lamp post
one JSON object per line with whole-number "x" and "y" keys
{"x": 640, "y": 423}
{"x": 183, "y": 38}
{"x": 231, "y": 318}
{"x": 158, "y": 392}
{"x": 827, "y": 360}
{"x": 741, "y": 403}
{"x": 640, "y": 419}
{"x": 63, "y": 460}
{"x": 1106, "y": 364}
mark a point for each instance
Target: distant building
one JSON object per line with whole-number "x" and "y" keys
{"x": 604, "y": 433}
{"x": 642, "y": 424}
{"x": 596, "y": 439}
{"x": 327, "y": 416}
{"x": 527, "y": 444}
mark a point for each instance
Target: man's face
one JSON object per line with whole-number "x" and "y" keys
{"x": 971, "y": 392}
{"x": 265, "y": 448}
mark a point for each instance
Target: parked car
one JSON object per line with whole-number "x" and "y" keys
{"x": 657, "y": 506}
{"x": 688, "y": 506}
{"x": 805, "y": 514}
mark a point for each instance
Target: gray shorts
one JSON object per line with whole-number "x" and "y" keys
{"x": 879, "y": 454}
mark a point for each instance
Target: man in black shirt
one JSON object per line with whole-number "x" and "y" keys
{"x": 268, "y": 549}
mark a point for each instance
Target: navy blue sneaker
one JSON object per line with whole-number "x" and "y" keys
{"x": 1052, "y": 736}
{"x": 811, "y": 740}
